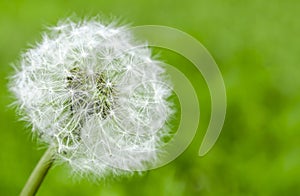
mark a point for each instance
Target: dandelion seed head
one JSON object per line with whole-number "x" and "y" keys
{"x": 90, "y": 90}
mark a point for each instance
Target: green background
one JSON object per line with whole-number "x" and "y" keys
{"x": 256, "y": 45}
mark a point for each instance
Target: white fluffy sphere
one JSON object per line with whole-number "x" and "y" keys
{"x": 89, "y": 90}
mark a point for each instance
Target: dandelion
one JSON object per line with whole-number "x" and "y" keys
{"x": 95, "y": 96}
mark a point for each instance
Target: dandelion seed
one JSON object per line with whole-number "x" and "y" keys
{"x": 96, "y": 95}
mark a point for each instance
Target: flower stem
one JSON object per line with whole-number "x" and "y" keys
{"x": 37, "y": 176}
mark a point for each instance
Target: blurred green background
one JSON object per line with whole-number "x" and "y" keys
{"x": 257, "y": 47}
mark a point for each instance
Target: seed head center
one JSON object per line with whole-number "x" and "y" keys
{"x": 91, "y": 93}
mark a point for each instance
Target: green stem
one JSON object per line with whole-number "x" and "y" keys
{"x": 37, "y": 176}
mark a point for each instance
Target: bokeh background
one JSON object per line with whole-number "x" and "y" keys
{"x": 257, "y": 47}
